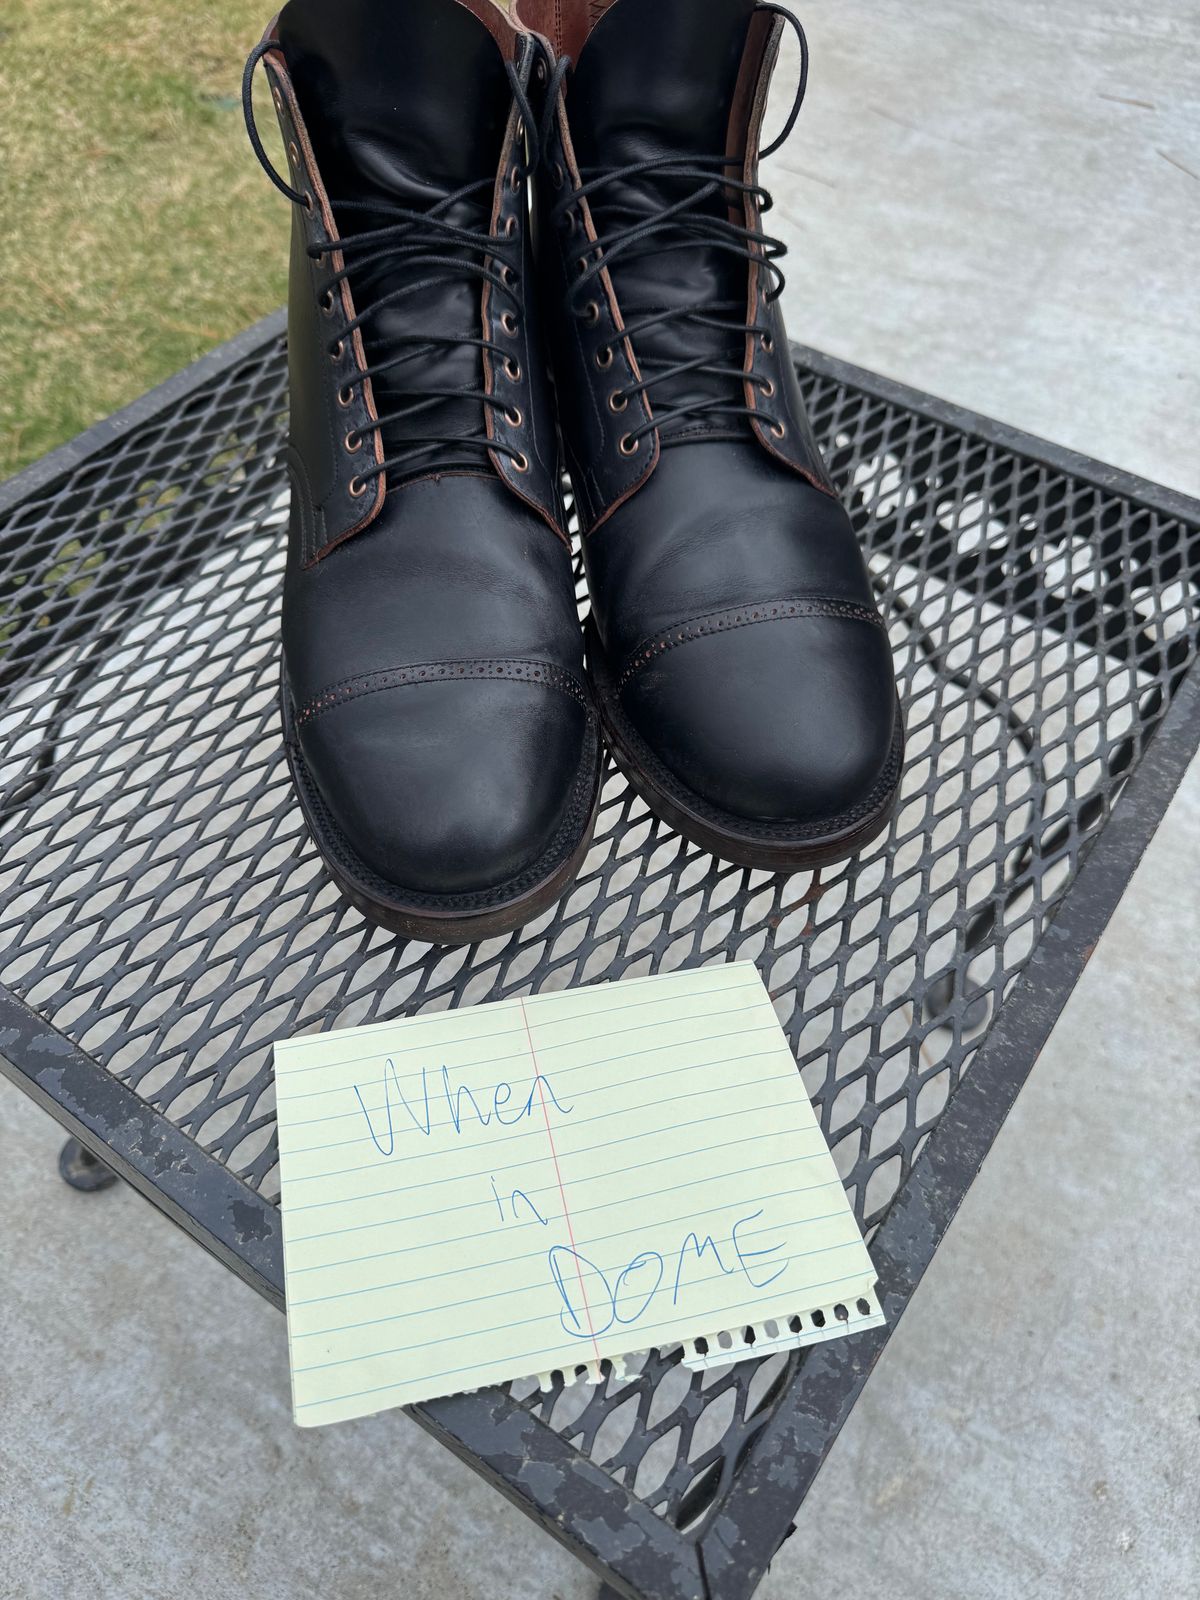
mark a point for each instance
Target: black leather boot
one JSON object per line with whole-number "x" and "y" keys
{"x": 437, "y": 721}
{"x": 742, "y": 669}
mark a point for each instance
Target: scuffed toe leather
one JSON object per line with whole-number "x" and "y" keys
{"x": 782, "y": 720}
{"x": 452, "y": 787}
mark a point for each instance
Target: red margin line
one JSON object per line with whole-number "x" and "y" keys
{"x": 587, "y": 1310}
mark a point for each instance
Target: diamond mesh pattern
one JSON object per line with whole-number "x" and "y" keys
{"x": 160, "y": 903}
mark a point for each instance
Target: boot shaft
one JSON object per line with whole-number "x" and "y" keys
{"x": 437, "y": 724}
{"x": 412, "y": 348}
{"x": 651, "y": 209}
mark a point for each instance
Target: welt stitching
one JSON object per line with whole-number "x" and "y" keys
{"x": 441, "y": 672}
{"x": 744, "y": 617}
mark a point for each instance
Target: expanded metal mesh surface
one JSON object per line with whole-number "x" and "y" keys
{"x": 161, "y": 904}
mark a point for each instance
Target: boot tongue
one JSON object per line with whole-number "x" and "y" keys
{"x": 658, "y": 79}
{"x": 406, "y": 103}
{"x": 399, "y": 98}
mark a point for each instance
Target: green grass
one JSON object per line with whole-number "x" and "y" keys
{"x": 136, "y": 230}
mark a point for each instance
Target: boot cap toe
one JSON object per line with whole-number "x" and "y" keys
{"x": 787, "y": 720}
{"x": 451, "y": 788}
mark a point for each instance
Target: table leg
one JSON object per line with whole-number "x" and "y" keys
{"x": 82, "y": 1170}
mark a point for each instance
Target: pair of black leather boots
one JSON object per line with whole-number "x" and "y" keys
{"x": 454, "y": 341}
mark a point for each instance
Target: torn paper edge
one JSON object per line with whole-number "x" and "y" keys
{"x": 814, "y": 1326}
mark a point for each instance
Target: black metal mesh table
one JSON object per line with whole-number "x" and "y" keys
{"x": 163, "y": 917}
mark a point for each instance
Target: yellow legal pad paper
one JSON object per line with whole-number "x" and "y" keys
{"x": 541, "y": 1184}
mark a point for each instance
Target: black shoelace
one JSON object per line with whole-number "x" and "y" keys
{"x": 642, "y": 223}
{"x": 443, "y": 250}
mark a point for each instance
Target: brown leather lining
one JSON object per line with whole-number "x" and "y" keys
{"x": 565, "y": 23}
{"x": 498, "y": 23}
{"x": 746, "y": 91}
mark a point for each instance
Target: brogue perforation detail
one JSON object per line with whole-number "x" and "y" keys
{"x": 743, "y": 617}
{"x": 539, "y": 672}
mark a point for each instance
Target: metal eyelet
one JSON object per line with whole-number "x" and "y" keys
{"x": 768, "y": 388}
{"x": 520, "y": 462}
{"x": 557, "y": 176}
{"x": 604, "y": 358}
{"x": 629, "y": 445}
{"x": 278, "y": 99}
{"x": 345, "y": 396}
{"x": 591, "y": 313}
{"x": 507, "y": 276}
{"x": 540, "y": 70}
{"x": 361, "y": 488}
{"x": 293, "y": 153}
{"x": 510, "y": 227}
{"x": 514, "y": 417}
{"x": 778, "y": 429}
{"x": 508, "y": 322}
{"x": 618, "y": 402}
{"x": 768, "y": 344}
{"x": 515, "y": 180}
{"x": 310, "y": 205}
{"x": 327, "y": 302}
{"x": 512, "y": 370}
{"x": 353, "y": 449}
{"x": 337, "y": 351}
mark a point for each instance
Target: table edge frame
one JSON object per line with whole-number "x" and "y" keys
{"x": 564, "y": 1492}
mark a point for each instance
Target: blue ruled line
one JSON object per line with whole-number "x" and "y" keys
{"x": 507, "y": 1261}
{"x": 380, "y": 1255}
{"x": 500, "y": 1294}
{"x": 587, "y": 1149}
{"x": 559, "y": 1072}
{"x": 486, "y": 1172}
{"x": 463, "y": 1239}
{"x": 523, "y": 1055}
{"x": 576, "y": 1122}
{"x": 440, "y": 1016}
{"x": 471, "y": 1205}
{"x": 523, "y": 1322}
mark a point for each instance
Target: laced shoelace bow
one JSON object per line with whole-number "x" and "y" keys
{"x": 420, "y": 239}
{"x": 654, "y": 228}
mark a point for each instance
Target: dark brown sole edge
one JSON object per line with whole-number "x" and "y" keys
{"x": 725, "y": 841}
{"x": 426, "y": 924}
